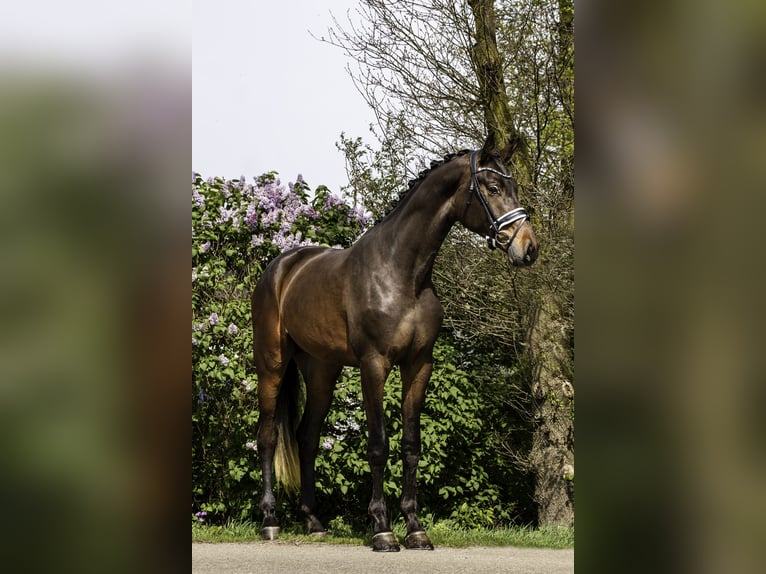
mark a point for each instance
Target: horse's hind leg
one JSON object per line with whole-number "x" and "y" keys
{"x": 320, "y": 380}
{"x": 268, "y": 388}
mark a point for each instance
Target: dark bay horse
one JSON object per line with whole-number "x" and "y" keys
{"x": 371, "y": 306}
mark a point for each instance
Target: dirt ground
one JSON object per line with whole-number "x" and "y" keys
{"x": 290, "y": 558}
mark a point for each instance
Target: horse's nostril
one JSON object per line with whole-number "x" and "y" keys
{"x": 531, "y": 253}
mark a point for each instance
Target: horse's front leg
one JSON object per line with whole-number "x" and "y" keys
{"x": 414, "y": 382}
{"x": 374, "y": 373}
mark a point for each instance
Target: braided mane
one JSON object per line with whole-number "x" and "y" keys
{"x": 413, "y": 184}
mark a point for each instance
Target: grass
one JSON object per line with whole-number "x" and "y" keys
{"x": 249, "y": 532}
{"x": 442, "y": 533}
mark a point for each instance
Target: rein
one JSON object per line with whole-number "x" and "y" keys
{"x": 497, "y": 224}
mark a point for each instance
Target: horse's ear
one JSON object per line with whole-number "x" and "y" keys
{"x": 489, "y": 149}
{"x": 514, "y": 146}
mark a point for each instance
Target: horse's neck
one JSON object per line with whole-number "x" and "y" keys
{"x": 411, "y": 237}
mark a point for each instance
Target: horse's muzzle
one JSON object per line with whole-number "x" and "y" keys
{"x": 531, "y": 254}
{"x": 523, "y": 250}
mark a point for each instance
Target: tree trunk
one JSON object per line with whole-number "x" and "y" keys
{"x": 488, "y": 65}
{"x": 552, "y": 456}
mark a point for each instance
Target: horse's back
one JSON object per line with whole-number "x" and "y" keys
{"x": 279, "y": 271}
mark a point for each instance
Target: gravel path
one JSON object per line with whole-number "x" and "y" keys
{"x": 290, "y": 558}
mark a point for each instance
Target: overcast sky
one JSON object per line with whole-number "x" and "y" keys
{"x": 267, "y": 95}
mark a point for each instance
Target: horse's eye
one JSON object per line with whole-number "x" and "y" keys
{"x": 493, "y": 190}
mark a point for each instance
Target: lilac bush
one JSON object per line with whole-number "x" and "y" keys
{"x": 237, "y": 228}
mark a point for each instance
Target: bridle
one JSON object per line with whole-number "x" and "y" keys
{"x": 496, "y": 224}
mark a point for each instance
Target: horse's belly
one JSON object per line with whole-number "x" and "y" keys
{"x": 314, "y": 318}
{"x": 322, "y": 338}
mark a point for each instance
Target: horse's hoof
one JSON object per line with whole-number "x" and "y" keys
{"x": 270, "y": 532}
{"x": 385, "y": 542}
{"x": 418, "y": 541}
{"x": 314, "y": 527}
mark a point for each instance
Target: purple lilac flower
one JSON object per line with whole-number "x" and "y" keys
{"x": 286, "y": 242}
{"x": 248, "y": 386}
{"x": 213, "y": 319}
{"x": 198, "y": 199}
{"x": 331, "y": 201}
{"x": 265, "y": 204}
{"x": 251, "y": 215}
{"x": 269, "y": 218}
{"x": 204, "y": 247}
{"x": 224, "y": 360}
{"x": 194, "y": 342}
{"x": 358, "y": 213}
{"x": 257, "y": 241}
{"x": 226, "y": 214}
{"x": 280, "y": 242}
{"x": 233, "y": 329}
{"x": 201, "y": 515}
{"x": 327, "y": 443}
{"x": 251, "y": 445}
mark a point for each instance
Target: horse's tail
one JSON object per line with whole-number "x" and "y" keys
{"x": 287, "y": 466}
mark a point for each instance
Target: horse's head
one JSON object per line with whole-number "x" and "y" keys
{"x": 492, "y": 209}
